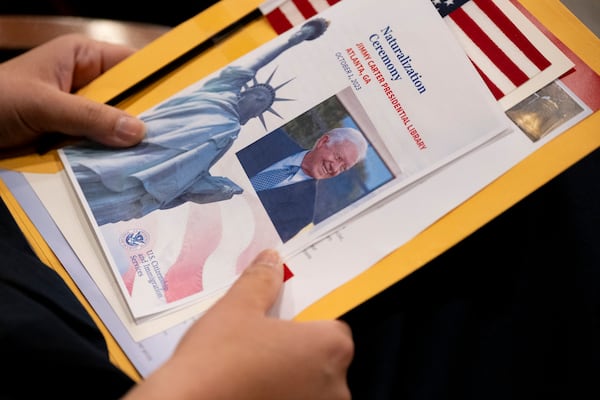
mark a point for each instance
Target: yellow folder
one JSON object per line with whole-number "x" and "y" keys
{"x": 518, "y": 182}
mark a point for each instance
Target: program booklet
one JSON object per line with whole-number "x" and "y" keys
{"x": 280, "y": 147}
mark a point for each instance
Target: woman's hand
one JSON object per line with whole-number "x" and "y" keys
{"x": 235, "y": 351}
{"x": 37, "y": 94}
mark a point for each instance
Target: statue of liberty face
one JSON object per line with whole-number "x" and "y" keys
{"x": 254, "y": 101}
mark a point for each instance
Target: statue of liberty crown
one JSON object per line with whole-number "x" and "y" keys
{"x": 259, "y": 98}
{"x": 264, "y": 96}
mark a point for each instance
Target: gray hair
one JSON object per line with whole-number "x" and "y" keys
{"x": 351, "y": 135}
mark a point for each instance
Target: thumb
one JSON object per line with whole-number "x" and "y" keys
{"x": 75, "y": 115}
{"x": 258, "y": 286}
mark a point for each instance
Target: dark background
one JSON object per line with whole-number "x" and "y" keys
{"x": 168, "y": 13}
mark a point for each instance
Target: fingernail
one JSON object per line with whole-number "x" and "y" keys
{"x": 129, "y": 128}
{"x": 269, "y": 258}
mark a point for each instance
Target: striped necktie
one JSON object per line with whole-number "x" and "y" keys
{"x": 268, "y": 179}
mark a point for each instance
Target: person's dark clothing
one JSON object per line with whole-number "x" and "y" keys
{"x": 49, "y": 345}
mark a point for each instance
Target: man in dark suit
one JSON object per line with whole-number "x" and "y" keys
{"x": 290, "y": 198}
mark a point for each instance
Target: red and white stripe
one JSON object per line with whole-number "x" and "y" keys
{"x": 285, "y": 14}
{"x": 497, "y": 46}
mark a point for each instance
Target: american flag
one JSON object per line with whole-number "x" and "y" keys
{"x": 283, "y": 15}
{"x": 500, "y": 51}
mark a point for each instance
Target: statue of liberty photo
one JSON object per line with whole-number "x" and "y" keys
{"x": 186, "y": 135}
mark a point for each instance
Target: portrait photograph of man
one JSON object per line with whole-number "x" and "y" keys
{"x": 309, "y": 169}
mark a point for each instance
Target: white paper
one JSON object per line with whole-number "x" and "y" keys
{"x": 376, "y": 73}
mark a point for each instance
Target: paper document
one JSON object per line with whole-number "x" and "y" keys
{"x": 335, "y": 115}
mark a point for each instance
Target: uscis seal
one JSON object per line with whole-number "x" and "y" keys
{"x": 134, "y": 239}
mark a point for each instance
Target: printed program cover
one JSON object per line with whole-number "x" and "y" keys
{"x": 353, "y": 105}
